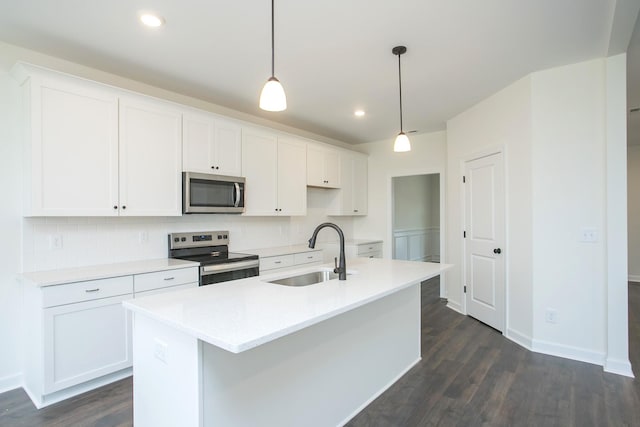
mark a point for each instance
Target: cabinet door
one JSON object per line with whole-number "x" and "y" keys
{"x": 332, "y": 168}
{"x": 84, "y": 341}
{"x": 197, "y": 143}
{"x": 259, "y": 166}
{"x": 227, "y": 148}
{"x": 315, "y": 166}
{"x": 292, "y": 171}
{"x": 150, "y": 158}
{"x": 211, "y": 145}
{"x": 73, "y": 149}
{"x": 359, "y": 184}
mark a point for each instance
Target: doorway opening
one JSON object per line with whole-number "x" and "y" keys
{"x": 416, "y": 217}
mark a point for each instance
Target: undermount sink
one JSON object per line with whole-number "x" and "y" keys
{"x": 306, "y": 279}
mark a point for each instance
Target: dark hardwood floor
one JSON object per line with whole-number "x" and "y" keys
{"x": 470, "y": 375}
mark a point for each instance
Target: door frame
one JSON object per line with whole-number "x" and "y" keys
{"x": 463, "y": 205}
{"x": 443, "y": 221}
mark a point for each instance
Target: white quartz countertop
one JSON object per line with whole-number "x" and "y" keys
{"x": 281, "y": 250}
{"x": 244, "y": 314}
{"x": 103, "y": 271}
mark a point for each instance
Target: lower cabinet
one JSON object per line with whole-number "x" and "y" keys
{"x": 284, "y": 262}
{"x": 84, "y": 341}
{"x": 78, "y": 335}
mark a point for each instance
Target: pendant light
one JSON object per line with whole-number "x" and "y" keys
{"x": 272, "y": 97}
{"x": 402, "y": 140}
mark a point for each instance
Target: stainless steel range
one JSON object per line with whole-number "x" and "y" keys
{"x": 211, "y": 250}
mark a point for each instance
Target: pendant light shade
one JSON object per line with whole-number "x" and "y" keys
{"x": 272, "y": 97}
{"x": 402, "y": 142}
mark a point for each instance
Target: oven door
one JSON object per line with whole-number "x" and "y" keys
{"x": 212, "y": 274}
{"x": 204, "y": 193}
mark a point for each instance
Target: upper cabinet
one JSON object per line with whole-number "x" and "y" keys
{"x": 150, "y": 158}
{"x": 275, "y": 170}
{"x": 90, "y": 151}
{"x": 323, "y": 167}
{"x": 352, "y": 198}
{"x": 211, "y": 145}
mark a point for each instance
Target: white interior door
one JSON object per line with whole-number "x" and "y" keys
{"x": 485, "y": 237}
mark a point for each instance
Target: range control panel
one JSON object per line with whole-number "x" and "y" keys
{"x": 198, "y": 239}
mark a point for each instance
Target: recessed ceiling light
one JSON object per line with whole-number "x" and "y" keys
{"x": 358, "y": 113}
{"x": 151, "y": 20}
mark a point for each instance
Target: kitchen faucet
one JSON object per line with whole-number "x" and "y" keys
{"x": 341, "y": 269}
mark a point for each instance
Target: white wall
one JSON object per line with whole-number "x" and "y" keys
{"x": 561, "y": 131}
{"x": 569, "y": 195}
{"x": 89, "y": 241}
{"x": 633, "y": 212}
{"x": 502, "y": 121}
{"x": 427, "y": 155}
{"x": 10, "y": 230}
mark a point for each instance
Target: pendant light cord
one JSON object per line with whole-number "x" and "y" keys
{"x": 400, "y": 84}
{"x": 273, "y": 56}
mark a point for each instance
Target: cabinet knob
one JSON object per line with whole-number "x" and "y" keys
{"x": 497, "y": 251}
{"x": 115, "y": 207}
{"x": 124, "y": 207}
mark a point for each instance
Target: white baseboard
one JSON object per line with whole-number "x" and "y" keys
{"x": 10, "y": 382}
{"x": 568, "y": 352}
{"x": 455, "y": 306}
{"x": 519, "y": 338}
{"x": 620, "y": 367}
{"x": 634, "y": 278}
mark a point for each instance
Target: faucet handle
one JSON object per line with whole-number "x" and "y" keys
{"x": 335, "y": 263}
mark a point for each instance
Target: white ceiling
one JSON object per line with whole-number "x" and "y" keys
{"x": 332, "y": 56}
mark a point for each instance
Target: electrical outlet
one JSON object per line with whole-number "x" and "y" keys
{"x": 55, "y": 242}
{"x": 160, "y": 350}
{"x": 551, "y": 316}
{"x": 589, "y": 235}
{"x": 143, "y": 237}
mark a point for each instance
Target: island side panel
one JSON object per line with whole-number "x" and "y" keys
{"x": 319, "y": 376}
{"x": 166, "y": 375}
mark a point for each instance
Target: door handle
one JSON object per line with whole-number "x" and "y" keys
{"x": 237, "y": 192}
{"x": 497, "y": 251}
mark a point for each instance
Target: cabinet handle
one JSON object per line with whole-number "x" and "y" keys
{"x": 355, "y": 210}
{"x": 309, "y": 257}
{"x": 92, "y": 290}
{"x": 277, "y": 262}
{"x": 169, "y": 278}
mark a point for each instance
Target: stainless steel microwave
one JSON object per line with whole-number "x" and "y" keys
{"x": 204, "y": 193}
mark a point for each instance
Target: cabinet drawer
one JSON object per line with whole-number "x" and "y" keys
{"x": 273, "y": 262}
{"x": 365, "y": 249}
{"x": 164, "y": 279}
{"x": 307, "y": 257}
{"x": 86, "y": 291}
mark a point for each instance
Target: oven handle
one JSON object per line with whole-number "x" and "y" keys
{"x": 237, "y": 202}
{"x": 223, "y": 268}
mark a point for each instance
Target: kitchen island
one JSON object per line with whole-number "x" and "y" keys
{"x": 253, "y": 353}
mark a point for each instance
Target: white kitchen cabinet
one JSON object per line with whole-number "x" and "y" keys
{"x": 323, "y": 167}
{"x": 211, "y": 145}
{"x": 351, "y": 199}
{"x": 150, "y": 158}
{"x": 92, "y": 150}
{"x": 289, "y": 259}
{"x": 79, "y": 335}
{"x": 358, "y": 248}
{"x": 275, "y": 172}
{"x": 71, "y": 143}
{"x": 85, "y": 340}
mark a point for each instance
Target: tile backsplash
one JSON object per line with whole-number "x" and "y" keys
{"x": 54, "y": 243}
